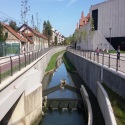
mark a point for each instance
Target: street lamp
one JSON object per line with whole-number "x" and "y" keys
{"x": 110, "y": 38}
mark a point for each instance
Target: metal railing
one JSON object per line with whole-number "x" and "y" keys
{"x": 109, "y": 60}
{"x": 12, "y": 64}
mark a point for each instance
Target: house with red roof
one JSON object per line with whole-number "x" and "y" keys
{"x": 13, "y": 37}
{"x": 37, "y": 40}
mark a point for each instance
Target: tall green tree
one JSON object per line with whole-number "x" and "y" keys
{"x": 69, "y": 40}
{"x": 13, "y": 25}
{"x": 3, "y": 36}
{"x": 55, "y": 40}
{"x": 47, "y": 30}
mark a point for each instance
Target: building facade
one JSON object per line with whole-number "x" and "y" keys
{"x": 14, "y": 42}
{"x": 36, "y": 40}
{"x": 57, "y": 35}
{"x": 105, "y": 28}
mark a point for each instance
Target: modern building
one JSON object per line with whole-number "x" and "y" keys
{"x": 105, "y": 28}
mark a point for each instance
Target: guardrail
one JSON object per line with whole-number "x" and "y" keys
{"x": 109, "y": 60}
{"x": 12, "y": 64}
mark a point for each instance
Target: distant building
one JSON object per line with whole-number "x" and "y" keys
{"x": 83, "y": 20}
{"x": 108, "y": 25}
{"x": 60, "y": 37}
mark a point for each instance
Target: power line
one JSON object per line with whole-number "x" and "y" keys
{"x": 8, "y": 18}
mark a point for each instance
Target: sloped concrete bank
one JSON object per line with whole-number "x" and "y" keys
{"x": 28, "y": 106}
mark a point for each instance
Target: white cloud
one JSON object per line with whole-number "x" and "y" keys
{"x": 59, "y": 0}
{"x": 71, "y": 2}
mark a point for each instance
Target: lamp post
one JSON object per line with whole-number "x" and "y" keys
{"x": 110, "y": 38}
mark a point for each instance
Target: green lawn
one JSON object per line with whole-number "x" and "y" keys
{"x": 118, "y": 105}
{"x": 114, "y": 51}
{"x": 68, "y": 64}
{"x": 52, "y": 63}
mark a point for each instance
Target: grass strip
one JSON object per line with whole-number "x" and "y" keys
{"x": 118, "y": 105}
{"x": 114, "y": 51}
{"x": 69, "y": 66}
{"x": 52, "y": 63}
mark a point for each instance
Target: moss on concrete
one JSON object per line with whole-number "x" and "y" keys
{"x": 118, "y": 105}
{"x": 68, "y": 64}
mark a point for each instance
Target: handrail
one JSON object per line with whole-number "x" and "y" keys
{"x": 12, "y": 64}
{"x": 109, "y": 60}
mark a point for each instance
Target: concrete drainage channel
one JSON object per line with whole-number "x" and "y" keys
{"x": 70, "y": 104}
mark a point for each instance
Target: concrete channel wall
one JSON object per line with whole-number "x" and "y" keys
{"x": 105, "y": 105}
{"x": 25, "y": 107}
{"x": 87, "y": 104}
{"x": 92, "y": 72}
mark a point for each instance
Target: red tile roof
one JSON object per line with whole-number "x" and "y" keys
{"x": 34, "y": 31}
{"x": 13, "y": 32}
{"x": 25, "y": 35}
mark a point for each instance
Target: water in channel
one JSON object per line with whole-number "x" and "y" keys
{"x": 63, "y": 117}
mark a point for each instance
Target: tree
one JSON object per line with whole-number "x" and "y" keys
{"x": 44, "y": 27}
{"x": 32, "y": 22}
{"x": 36, "y": 29}
{"x": 25, "y": 8}
{"x": 13, "y": 25}
{"x": 55, "y": 40}
{"x": 3, "y": 36}
{"x": 92, "y": 29}
{"x": 47, "y": 30}
{"x": 69, "y": 40}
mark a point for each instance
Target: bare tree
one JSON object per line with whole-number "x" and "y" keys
{"x": 25, "y": 8}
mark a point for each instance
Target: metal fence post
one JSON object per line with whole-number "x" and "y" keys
{"x": 11, "y": 65}
{"x": 25, "y": 59}
{"x": 90, "y": 55}
{"x": 32, "y": 56}
{"x": 109, "y": 60}
{"x": 116, "y": 64}
{"x": 37, "y": 54}
{"x": 94, "y": 56}
{"x": 103, "y": 59}
{"x": 0, "y": 75}
{"x": 19, "y": 62}
{"x": 29, "y": 57}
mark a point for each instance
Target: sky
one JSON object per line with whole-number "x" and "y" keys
{"x": 62, "y": 14}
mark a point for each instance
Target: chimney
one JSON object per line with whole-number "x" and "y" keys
{"x": 82, "y": 16}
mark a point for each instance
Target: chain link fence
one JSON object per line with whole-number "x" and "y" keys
{"x": 9, "y": 49}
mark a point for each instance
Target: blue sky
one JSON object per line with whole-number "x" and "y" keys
{"x": 62, "y": 14}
